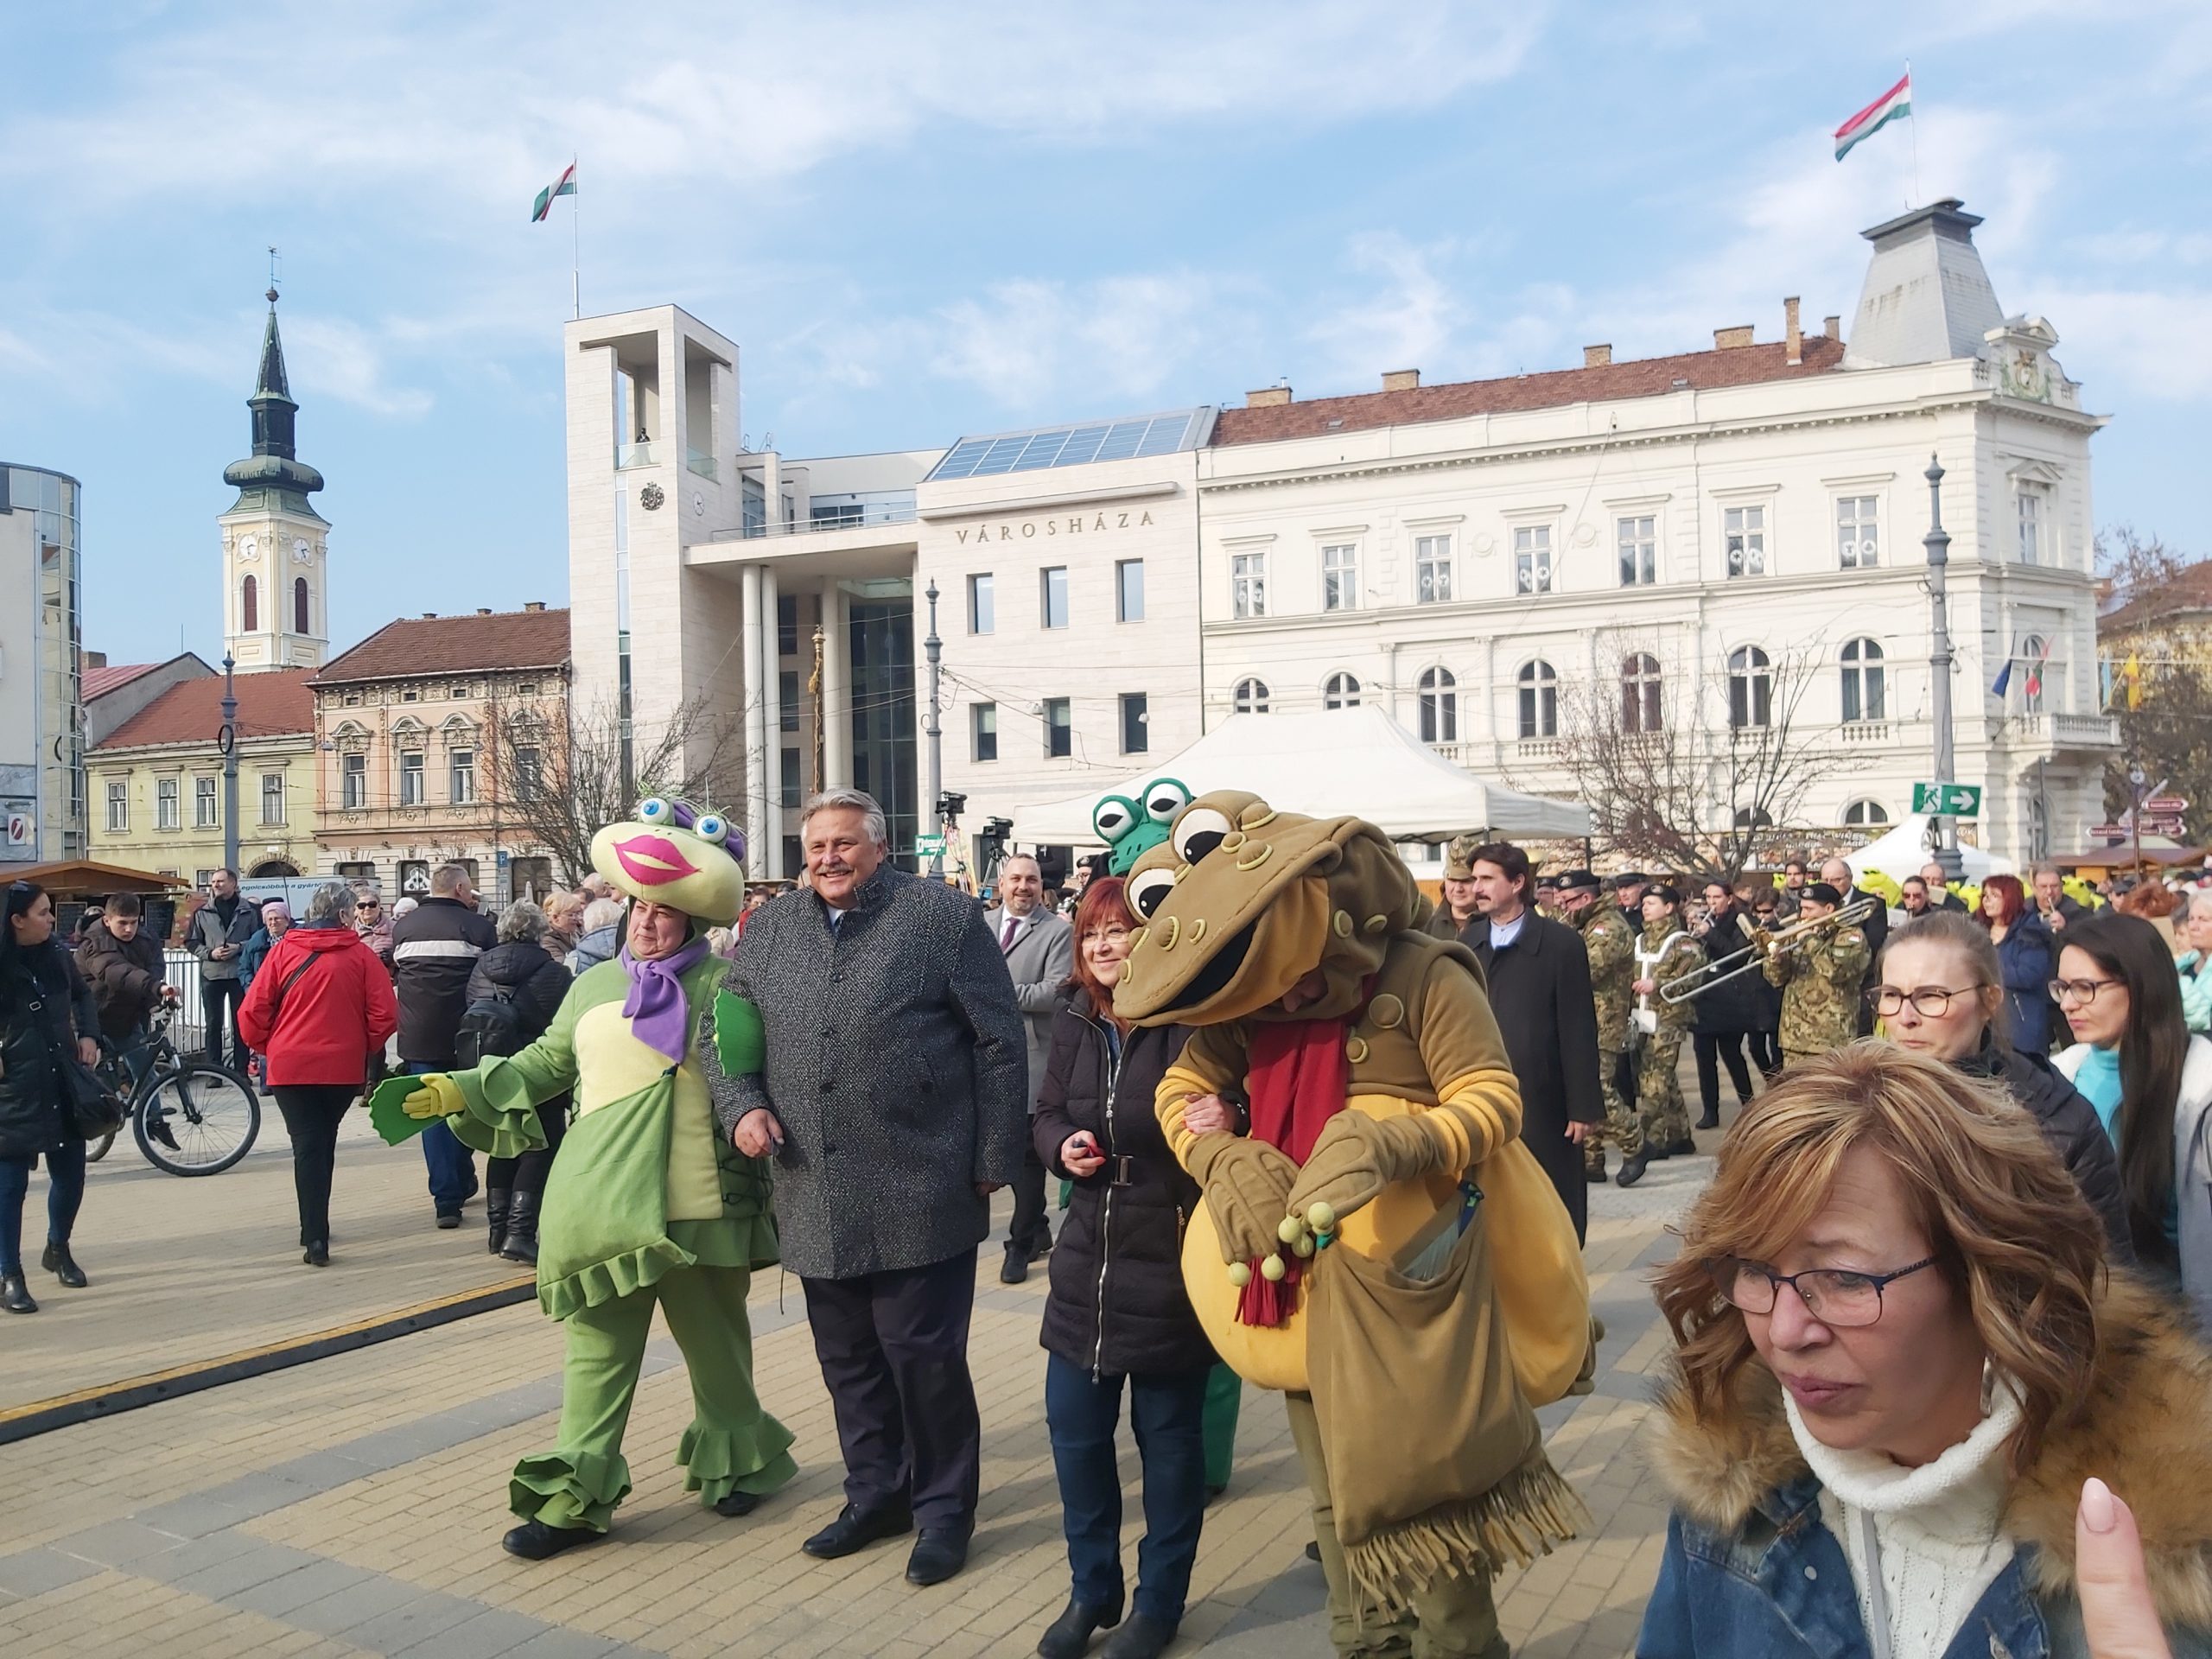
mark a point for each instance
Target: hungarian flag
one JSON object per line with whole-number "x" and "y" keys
{"x": 1891, "y": 104}
{"x": 564, "y": 186}
{"x": 2035, "y": 671}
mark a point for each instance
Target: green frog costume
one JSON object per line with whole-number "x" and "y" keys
{"x": 647, "y": 1204}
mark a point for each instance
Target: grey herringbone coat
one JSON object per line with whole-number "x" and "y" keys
{"x": 897, "y": 1065}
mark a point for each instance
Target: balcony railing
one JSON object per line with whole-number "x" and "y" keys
{"x": 2059, "y": 731}
{"x": 698, "y": 462}
{"x": 627, "y": 455}
{"x": 860, "y": 518}
{"x": 1864, "y": 731}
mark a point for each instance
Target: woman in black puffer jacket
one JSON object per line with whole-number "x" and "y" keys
{"x": 46, "y": 1012}
{"x": 520, "y": 972}
{"x": 1117, "y": 1312}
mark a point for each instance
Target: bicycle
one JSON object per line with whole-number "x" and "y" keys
{"x": 189, "y": 1116}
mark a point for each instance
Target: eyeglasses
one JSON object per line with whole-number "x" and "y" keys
{"x": 1928, "y": 1002}
{"x": 2083, "y": 991}
{"x": 1834, "y": 1296}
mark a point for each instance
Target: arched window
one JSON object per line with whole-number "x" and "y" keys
{"x": 299, "y": 607}
{"x": 1252, "y": 696}
{"x": 1539, "y": 684}
{"x": 1864, "y": 691}
{"x": 1439, "y": 707}
{"x": 1341, "y": 692}
{"x": 2034, "y": 650}
{"x": 1750, "y": 688}
{"x": 1640, "y": 693}
{"x": 1753, "y": 818}
{"x": 248, "y": 605}
{"x": 1861, "y": 814}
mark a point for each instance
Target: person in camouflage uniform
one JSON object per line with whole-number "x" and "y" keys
{"x": 1457, "y": 909}
{"x": 1820, "y": 981}
{"x": 1610, "y": 943}
{"x": 1666, "y": 951}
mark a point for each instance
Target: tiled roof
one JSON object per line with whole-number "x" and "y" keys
{"x": 2188, "y": 593}
{"x": 98, "y": 681}
{"x": 454, "y": 645}
{"x": 270, "y": 705}
{"x": 1649, "y": 377}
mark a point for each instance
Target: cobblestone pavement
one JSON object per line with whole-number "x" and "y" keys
{"x": 353, "y": 1505}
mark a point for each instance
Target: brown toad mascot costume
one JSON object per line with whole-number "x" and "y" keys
{"x": 1380, "y": 1247}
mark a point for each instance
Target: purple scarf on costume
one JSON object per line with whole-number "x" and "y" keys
{"x": 655, "y": 1007}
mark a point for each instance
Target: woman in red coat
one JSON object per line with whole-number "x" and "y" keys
{"x": 320, "y": 1005}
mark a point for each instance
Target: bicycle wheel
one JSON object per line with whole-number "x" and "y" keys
{"x": 96, "y": 1150}
{"x": 211, "y": 1114}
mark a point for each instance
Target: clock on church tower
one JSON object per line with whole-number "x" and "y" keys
{"x": 275, "y": 546}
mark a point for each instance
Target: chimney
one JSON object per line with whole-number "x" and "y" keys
{"x": 533, "y": 604}
{"x": 95, "y": 659}
{"x": 1401, "y": 380}
{"x": 1266, "y": 398}
{"x": 430, "y": 616}
{"x": 1596, "y": 357}
{"x": 1791, "y": 333}
{"x": 1831, "y": 326}
{"x": 1728, "y": 340}
{"x": 483, "y": 610}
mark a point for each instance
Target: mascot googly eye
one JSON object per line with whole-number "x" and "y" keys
{"x": 1198, "y": 831}
{"x": 655, "y": 810}
{"x": 712, "y": 826}
{"x": 1114, "y": 818}
{"x": 1148, "y": 891}
{"x": 1164, "y": 798}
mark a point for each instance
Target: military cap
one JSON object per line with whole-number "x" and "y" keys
{"x": 1459, "y": 858}
{"x": 1630, "y": 879}
{"x": 1823, "y": 893}
{"x": 1578, "y": 881}
{"x": 1660, "y": 890}
{"x": 1543, "y": 881}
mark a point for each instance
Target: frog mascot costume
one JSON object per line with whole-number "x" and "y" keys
{"x": 1381, "y": 1247}
{"x": 645, "y": 1202}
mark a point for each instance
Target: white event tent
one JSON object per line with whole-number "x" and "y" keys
{"x": 1324, "y": 765}
{"x": 1904, "y": 850}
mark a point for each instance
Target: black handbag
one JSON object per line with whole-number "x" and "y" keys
{"x": 95, "y": 1109}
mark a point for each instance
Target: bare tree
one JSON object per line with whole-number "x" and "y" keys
{"x": 1694, "y": 778}
{"x": 2159, "y": 616}
{"x": 562, "y": 786}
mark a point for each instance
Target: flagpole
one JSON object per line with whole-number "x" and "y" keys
{"x": 1912, "y": 120}
{"x": 575, "y": 241}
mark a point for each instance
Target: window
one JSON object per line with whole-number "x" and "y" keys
{"x": 410, "y": 779}
{"x": 1248, "y": 584}
{"x": 789, "y": 795}
{"x": 410, "y": 696}
{"x": 460, "y": 776}
{"x": 786, "y": 625}
{"x": 2030, "y": 528}
{"x": 1750, "y": 688}
{"x": 2035, "y": 652}
{"x": 1340, "y": 577}
{"x": 1439, "y": 706}
{"x": 1136, "y": 718}
{"x": 1638, "y": 541}
{"x": 1858, "y": 537}
{"x": 525, "y": 687}
{"x": 352, "y": 699}
{"x": 1539, "y": 686}
{"x": 983, "y": 732}
{"x": 272, "y": 797}
{"x": 982, "y": 605}
{"x": 1055, "y": 596}
{"x": 248, "y": 605}
{"x": 299, "y": 607}
{"x": 1250, "y": 697}
{"x": 457, "y": 693}
{"x": 1641, "y": 707}
{"x": 1864, "y": 691}
{"x": 203, "y": 804}
{"x": 118, "y": 807}
{"x": 1128, "y": 590}
{"x": 530, "y": 770}
{"x": 1744, "y": 534}
{"x": 1059, "y": 727}
{"x": 1865, "y": 814}
{"x": 787, "y": 701}
{"x": 1432, "y": 569}
{"x": 1532, "y": 558}
{"x": 168, "y": 804}
{"x": 1342, "y": 691}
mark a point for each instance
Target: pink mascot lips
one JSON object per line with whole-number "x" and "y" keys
{"x": 652, "y": 859}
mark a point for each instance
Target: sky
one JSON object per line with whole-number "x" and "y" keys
{"x": 919, "y": 221}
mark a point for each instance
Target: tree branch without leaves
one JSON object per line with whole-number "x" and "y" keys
{"x": 2161, "y": 610}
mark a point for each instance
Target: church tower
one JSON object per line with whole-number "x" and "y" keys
{"x": 275, "y": 547}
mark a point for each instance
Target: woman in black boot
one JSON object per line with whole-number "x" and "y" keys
{"x": 47, "y": 1016}
{"x": 513, "y": 993}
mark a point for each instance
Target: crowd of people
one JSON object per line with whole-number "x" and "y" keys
{"x": 1939, "y": 1315}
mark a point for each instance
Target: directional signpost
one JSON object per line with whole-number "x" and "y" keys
{"x": 1948, "y": 800}
{"x": 929, "y": 846}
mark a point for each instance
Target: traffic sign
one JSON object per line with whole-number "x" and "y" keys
{"x": 929, "y": 846}
{"x": 1948, "y": 800}
{"x": 2167, "y": 806}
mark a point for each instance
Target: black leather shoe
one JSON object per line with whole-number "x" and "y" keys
{"x": 57, "y": 1261}
{"x": 1141, "y": 1638}
{"x": 1068, "y": 1636}
{"x": 447, "y": 1220}
{"x": 317, "y": 1255}
{"x": 853, "y": 1530}
{"x": 15, "y": 1294}
{"x": 1313, "y": 1549}
{"x": 495, "y": 1217}
{"x": 521, "y": 1241}
{"x": 1710, "y": 1120}
{"x": 1015, "y": 1267}
{"x": 1594, "y": 1175}
{"x": 938, "y": 1554}
{"x": 534, "y": 1540}
{"x": 1043, "y": 1246}
{"x": 735, "y": 1504}
{"x": 1632, "y": 1171}
{"x": 1685, "y": 1147}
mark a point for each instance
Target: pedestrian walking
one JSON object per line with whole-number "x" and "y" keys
{"x": 514, "y": 991}
{"x": 895, "y": 1100}
{"x": 321, "y": 1006}
{"x": 48, "y": 1025}
{"x": 433, "y": 950}
{"x": 2028, "y": 956}
{"x": 217, "y": 935}
{"x": 1039, "y": 947}
{"x": 1725, "y": 1014}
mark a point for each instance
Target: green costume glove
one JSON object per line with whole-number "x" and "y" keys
{"x": 741, "y": 1038}
{"x": 405, "y": 1107}
{"x": 1355, "y": 1156}
{"x": 1246, "y": 1184}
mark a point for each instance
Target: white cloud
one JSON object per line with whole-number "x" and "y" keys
{"x": 330, "y": 357}
{"x": 1410, "y": 320}
{"x": 2142, "y": 340}
{"x": 1028, "y": 341}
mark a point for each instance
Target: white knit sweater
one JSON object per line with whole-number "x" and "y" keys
{"x": 1935, "y": 1527}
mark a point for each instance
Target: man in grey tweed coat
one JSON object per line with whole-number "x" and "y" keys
{"x": 894, "y": 1101}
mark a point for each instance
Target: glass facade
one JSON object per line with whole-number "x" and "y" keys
{"x": 880, "y": 636}
{"x": 44, "y": 755}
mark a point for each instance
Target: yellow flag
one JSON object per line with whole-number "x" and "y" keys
{"x": 2132, "y": 671}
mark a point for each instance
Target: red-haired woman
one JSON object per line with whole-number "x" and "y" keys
{"x": 2028, "y": 954}
{"x": 1116, "y": 1313}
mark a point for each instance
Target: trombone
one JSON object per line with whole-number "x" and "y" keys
{"x": 1795, "y": 937}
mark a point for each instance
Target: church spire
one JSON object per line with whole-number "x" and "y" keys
{"x": 272, "y": 360}
{"x": 273, "y": 473}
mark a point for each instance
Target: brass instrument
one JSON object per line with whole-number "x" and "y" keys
{"x": 1795, "y": 937}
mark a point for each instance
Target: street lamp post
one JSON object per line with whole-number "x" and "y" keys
{"x": 1938, "y": 543}
{"x": 228, "y": 740}
{"x": 933, "y": 648}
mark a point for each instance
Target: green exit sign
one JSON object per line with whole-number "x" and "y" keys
{"x": 1948, "y": 800}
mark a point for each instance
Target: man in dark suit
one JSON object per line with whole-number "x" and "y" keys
{"x": 1539, "y": 976}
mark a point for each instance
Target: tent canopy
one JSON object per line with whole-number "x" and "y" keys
{"x": 1324, "y": 765}
{"x": 1905, "y": 849}
{"x": 85, "y": 877}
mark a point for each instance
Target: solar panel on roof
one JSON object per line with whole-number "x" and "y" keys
{"x": 1062, "y": 446}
